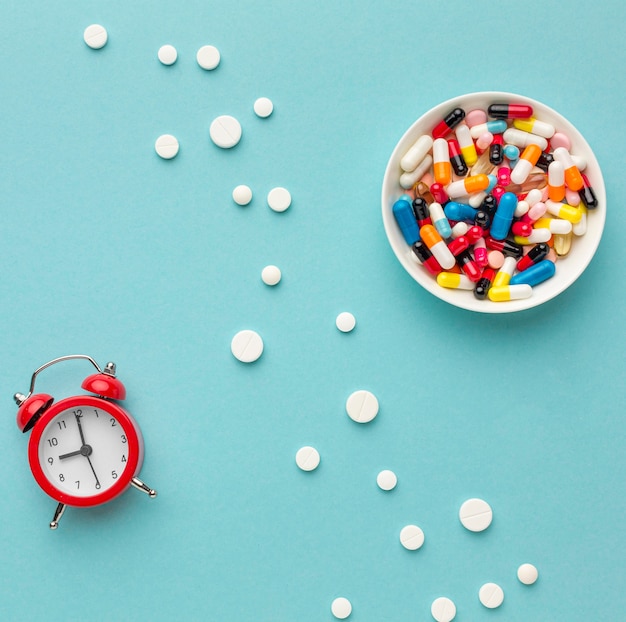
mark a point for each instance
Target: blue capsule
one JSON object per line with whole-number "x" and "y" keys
{"x": 535, "y": 274}
{"x": 459, "y": 211}
{"x": 511, "y": 152}
{"x": 403, "y": 213}
{"x": 503, "y": 217}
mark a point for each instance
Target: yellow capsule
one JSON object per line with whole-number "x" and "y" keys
{"x": 510, "y": 292}
{"x": 564, "y": 211}
{"x": 453, "y": 280}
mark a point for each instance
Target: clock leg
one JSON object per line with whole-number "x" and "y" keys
{"x": 139, "y": 485}
{"x": 57, "y": 515}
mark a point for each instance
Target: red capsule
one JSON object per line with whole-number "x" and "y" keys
{"x": 510, "y": 111}
{"x": 456, "y": 158}
{"x": 426, "y": 258}
{"x": 496, "y": 152}
{"x": 484, "y": 283}
{"x": 458, "y": 245}
{"x": 474, "y": 234}
{"x": 451, "y": 120}
{"x": 505, "y": 246}
{"x": 534, "y": 255}
{"x": 521, "y": 228}
{"x": 439, "y": 193}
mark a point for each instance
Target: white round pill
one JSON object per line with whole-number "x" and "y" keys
{"x": 95, "y": 36}
{"x": 208, "y": 57}
{"x": 307, "y": 458}
{"x": 386, "y": 480}
{"x": 167, "y": 54}
{"x": 166, "y": 146}
{"x": 271, "y": 275}
{"x": 443, "y": 609}
{"x": 225, "y": 131}
{"x": 263, "y": 107}
{"x": 345, "y": 322}
{"x": 362, "y": 406}
{"x": 279, "y": 199}
{"x": 491, "y": 595}
{"x": 527, "y": 574}
{"x": 475, "y": 515}
{"x": 247, "y": 346}
{"x": 411, "y": 537}
{"x": 341, "y": 608}
{"x": 242, "y": 195}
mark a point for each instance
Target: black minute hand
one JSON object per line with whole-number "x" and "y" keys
{"x": 80, "y": 430}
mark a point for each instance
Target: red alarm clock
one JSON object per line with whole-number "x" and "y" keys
{"x": 84, "y": 450}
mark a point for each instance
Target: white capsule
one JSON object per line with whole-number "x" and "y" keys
{"x": 580, "y": 228}
{"x": 556, "y": 225}
{"x": 521, "y": 171}
{"x": 461, "y": 228}
{"x": 540, "y": 234}
{"x": 408, "y": 180}
{"x": 556, "y": 174}
{"x": 519, "y": 138}
{"x": 534, "y": 196}
{"x": 476, "y": 199}
{"x": 416, "y": 153}
{"x": 443, "y": 255}
{"x": 439, "y": 220}
{"x": 521, "y": 209}
{"x": 579, "y": 161}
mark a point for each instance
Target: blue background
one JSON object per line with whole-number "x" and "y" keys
{"x": 110, "y": 251}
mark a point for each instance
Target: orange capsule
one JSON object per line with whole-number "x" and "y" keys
{"x": 441, "y": 162}
{"x": 469, "y": 185}
{"x": 573, "y": 178}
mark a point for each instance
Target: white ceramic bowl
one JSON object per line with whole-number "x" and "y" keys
{"x": 568, "y": 268}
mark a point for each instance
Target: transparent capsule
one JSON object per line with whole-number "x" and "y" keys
{"x": 562, "y": 243}
{"x": 483, "y": 166}
{"x": 422, "y": 190}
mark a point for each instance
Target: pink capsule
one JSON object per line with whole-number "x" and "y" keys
{"x": 504, "y": 176}
{"x": 521, "y": 228}
{"x": 474, "y": 233}
{"x": 480, "y": 253}
{"x": 497, "y": 192}
{"x": 483, "y": 141}
{"x": 439, "y": 193}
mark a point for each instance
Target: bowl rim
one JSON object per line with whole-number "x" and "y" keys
{"x": 544, "y": 292}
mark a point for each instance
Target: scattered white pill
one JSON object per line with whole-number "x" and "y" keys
{"x": 271, "y": 275}
{"x": 308, "y": 458}
{"x": 475, "y": 515}
{"x": 345, "y": 322}
{"x": 167, "y": 54}
{"x": 362, "y": 406}
{"x": 279, "y": 199}
{"x": 247, "y": 346}
{"x": 411, "y": 537}
{"x": 386, "y": 480}
{"x": 225, "y": 131}
{"x": 208, "y": 57}
{"x": 341, "y": 608}
{"x": 491, "y": 595}
{"x": 443, "y": 609}
{"x": 242, "y": 195}
{"x": 95, "y": 36}
{"x": 263, "y": 107}
{"x": 166, "y": 146}
{"x": 527, "y": 574}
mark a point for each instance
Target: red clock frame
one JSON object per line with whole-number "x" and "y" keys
{"x": 135, "y": 450}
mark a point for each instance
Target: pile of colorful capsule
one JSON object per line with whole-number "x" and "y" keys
{"x": 493, "y": 198}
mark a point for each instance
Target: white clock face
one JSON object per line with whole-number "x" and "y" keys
{"x": 83, "y": 451}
